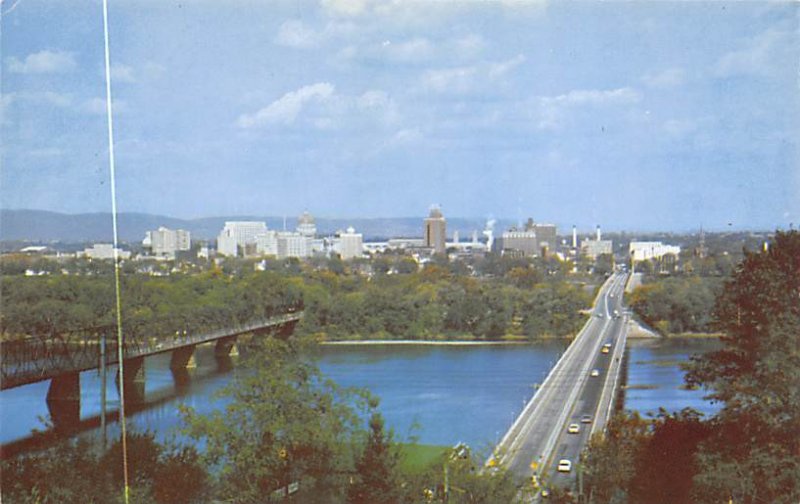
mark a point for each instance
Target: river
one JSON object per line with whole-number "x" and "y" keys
{"x": 439, "y": 395}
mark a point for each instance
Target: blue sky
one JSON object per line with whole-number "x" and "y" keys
{"x": 638, "y": 116}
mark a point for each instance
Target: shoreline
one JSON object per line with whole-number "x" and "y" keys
{"x": 423, "y": 342}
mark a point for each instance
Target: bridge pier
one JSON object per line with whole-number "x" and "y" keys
{"x": 134, "y": 379}
{"x": 64, "y": 402}
{"x": 226, "y": 347}
{"x": 183, "y": 358}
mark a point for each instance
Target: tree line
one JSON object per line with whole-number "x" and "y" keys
{"x": 397, "y": 300}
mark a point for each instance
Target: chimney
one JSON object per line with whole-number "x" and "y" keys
{"x": 574, "y": 237}
{"x": 598, "y": 232}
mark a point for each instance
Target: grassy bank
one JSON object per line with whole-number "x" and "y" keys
{"x": 416, "y": 458}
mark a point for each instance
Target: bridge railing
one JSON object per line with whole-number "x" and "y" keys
{"x": 31, "y": 359}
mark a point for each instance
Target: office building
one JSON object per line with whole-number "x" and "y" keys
{"x": 236, "y": 235}
{"x": 293, "y": 245}
{"x": 104, "y": 251}
{"x": 593, "y": 249}
{"x": 435, "y": 236}
{"x": 534, "y": 240}
{"x": 351, "y": 244}
{"x": 642, "y": 251}
{"x": 166, "y": 242}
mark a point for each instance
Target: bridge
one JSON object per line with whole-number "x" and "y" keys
{"x": 579, "y": 392}
{"x": 61, "y": 360}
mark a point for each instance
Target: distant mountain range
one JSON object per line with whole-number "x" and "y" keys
{"x": 39, "y": 226}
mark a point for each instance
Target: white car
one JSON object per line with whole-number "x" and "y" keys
{"x": 574, "y": 428}
{"x": 564, "y": 465}
{"x": 595, "y": 372}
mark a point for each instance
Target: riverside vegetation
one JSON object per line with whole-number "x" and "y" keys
{"x": 749, "y": 452}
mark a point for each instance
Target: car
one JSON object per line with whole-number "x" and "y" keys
{"x": 564, "y": 465}
{"x": 606, "y": 348}
{"x": 598, "y": 315}
{"x": 595, "y": 372}
{"x": 574, "y": 428}
{"x": 544, "y": 493}
{"x": 586, "y": 419}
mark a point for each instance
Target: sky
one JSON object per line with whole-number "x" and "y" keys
{"x": 634, "y": 115}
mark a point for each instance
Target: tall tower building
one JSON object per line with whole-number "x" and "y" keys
{"x": 436, "y": 231}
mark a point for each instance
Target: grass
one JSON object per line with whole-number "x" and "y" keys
{"x": 416, "y": 458}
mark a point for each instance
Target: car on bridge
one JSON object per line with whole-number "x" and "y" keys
{"x": 606, "y": 348}
{"x": 595, "y": 372}
{"x": 564, "y": 465}
{"x": 586, "y": 419}
{"x": 574, "y": 428}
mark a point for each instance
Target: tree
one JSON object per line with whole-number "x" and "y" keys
{"x": 755, "y": 454}
{"x": 284, "y": 424}
{"x": 376, "y": 470}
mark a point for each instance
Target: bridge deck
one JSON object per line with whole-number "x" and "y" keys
{"x": 31, "y": 360}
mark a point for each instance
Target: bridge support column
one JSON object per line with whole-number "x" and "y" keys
{"x": 183, "y": 358}
{"x": 64, "y": 402}
{"x": 134, "y": 379}
{"x": 226, "y": 347}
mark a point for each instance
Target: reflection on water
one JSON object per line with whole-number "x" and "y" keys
{"x": 440, "y": 394}
{"x": 656, "y": 380}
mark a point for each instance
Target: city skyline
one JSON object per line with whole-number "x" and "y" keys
{"x": 641, "y": 117}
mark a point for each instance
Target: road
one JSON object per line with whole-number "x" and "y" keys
{"x": 539, "y": 438}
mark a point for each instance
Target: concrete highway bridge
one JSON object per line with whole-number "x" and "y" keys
{"x": 575, "y": 400}
{"x": 61, "y": 360}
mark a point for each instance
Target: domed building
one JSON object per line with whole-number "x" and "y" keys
{"x": 306, "y": 225}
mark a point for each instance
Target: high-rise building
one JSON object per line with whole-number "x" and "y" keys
{"x": 166, "y": 242}
{"x": 351, "y": 244}
{"x": 237, "y": 235}
{"x": 436, "y": 231}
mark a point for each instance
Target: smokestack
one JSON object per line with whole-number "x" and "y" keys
{"x": 574, "y": 237}
{"x": 598, "y": 232}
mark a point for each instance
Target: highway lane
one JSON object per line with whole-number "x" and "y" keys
{"x": 537, "y": 432}
{"x": 569, "y": 446}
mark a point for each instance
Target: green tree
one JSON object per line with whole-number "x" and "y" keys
{"x": 376, "y": 471}
{"x": 284, "y": 423}
{"x": 755, "y": 454}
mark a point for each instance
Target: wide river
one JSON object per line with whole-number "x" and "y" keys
{"x": 438, "y": 394}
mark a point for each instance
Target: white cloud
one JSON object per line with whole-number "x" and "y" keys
{"x": 122, "y": 73}
{"x": 321, "y": 107}
{"x": 294, "y": 33}
{"x": 414, "y": 50}
{"x": 464, "y": 79}
{"x": 553, "y": 110}
{"x": 594, "y": 97}
{"x": 666, "y": 79}
{"x": 764, "y": 55}
{"x": 497, "y": 70}
{"x": 43, "y": 62}
{"x": 443, "y": 80}
{"x": 285, "y": 109}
